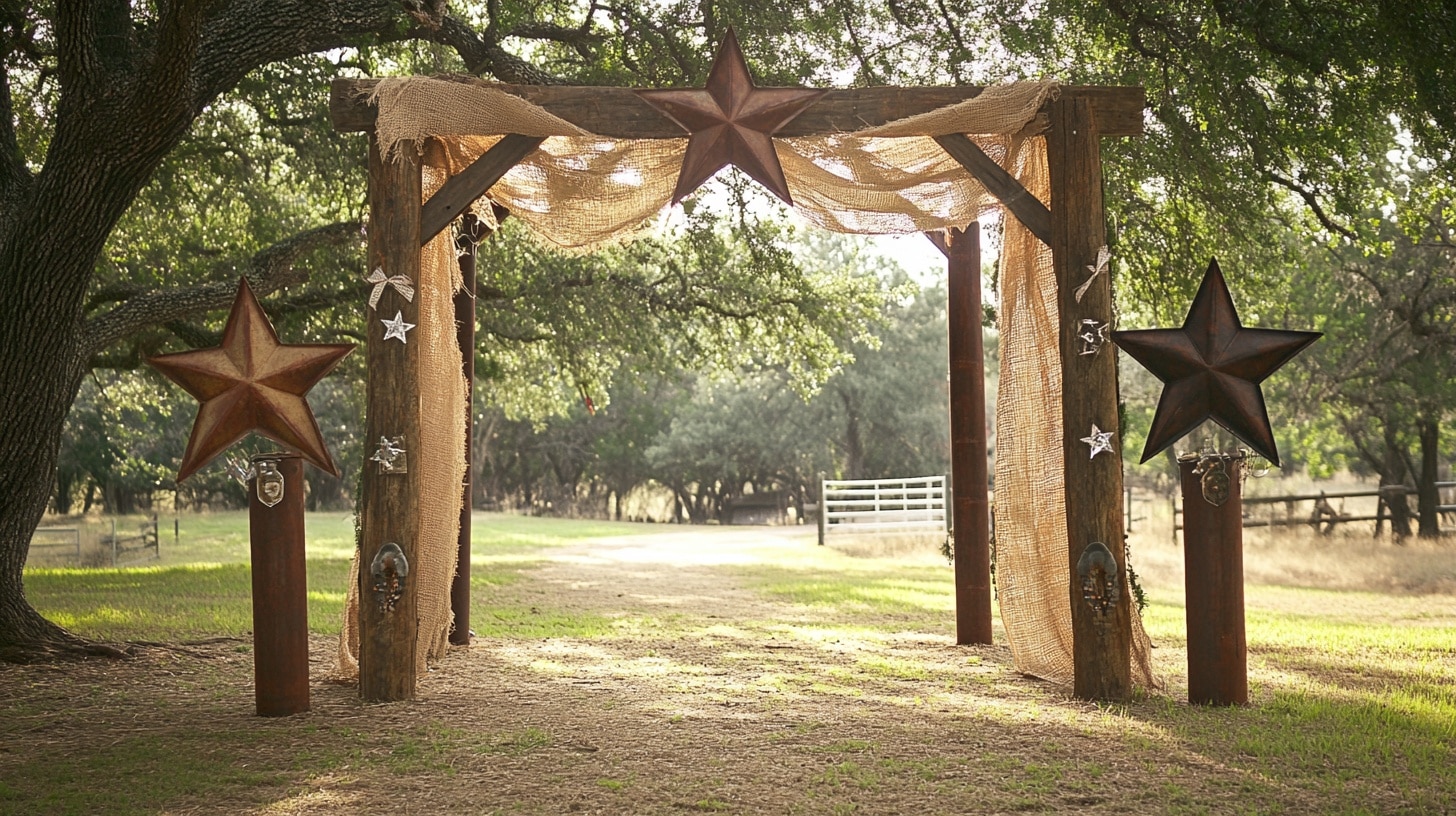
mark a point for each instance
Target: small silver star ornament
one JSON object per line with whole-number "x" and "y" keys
{"x": 1100, "y": 441}
{"x": 395, "y": 329}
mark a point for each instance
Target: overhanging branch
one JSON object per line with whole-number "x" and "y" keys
{"x": 1312, "y": 200}
{"x": 269, "y": 270}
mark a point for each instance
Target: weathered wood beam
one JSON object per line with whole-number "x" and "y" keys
{"x": 463, "y": 188}
{"x": 389, "y": 501}
{"x": 1101, "y": 640}
{"x": 621, "y": 114}
{"x": 938, "y": 239}
{"x": 1033, "y": 214}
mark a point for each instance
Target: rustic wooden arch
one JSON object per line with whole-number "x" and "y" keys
{"x": 1073, "y": 227}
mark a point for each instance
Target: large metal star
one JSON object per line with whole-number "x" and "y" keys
{"x": 252, "y": 382}
{"x": 1211, "y": 369}
{"x": 731, "y": 121}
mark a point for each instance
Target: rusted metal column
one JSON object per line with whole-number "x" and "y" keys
{"x": 970, "y": 514}
{"x": 466, "y": 244}
{"x": 1213, "y": 576}
{"x": 280, "y": 585}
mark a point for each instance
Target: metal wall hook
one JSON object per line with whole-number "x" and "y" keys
{"x": 270, "y": 482}
{"x": 389, "y": 569}
{"x": 1101, "y": 579}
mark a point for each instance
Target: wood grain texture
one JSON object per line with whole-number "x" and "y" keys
{"x": 970, "y": 511}
{"x": 462, "y": 189}
{"x": 1100, "y": 641}
{"x": 388, "y": 501}
{"x": 1026, "y": 207}
{"x": 621, "y": 114}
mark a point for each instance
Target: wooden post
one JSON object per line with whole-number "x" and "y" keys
{"x": 970, "y": 513}
{"x": 1213, "y": 577}
{"x": 1100, "y": 640}
{"x": 388, "y": 500}
{"x": 466, "y": 244}
{"x": 280, "y": 586}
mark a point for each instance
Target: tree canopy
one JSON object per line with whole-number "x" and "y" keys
{"x": 150, "y": 152}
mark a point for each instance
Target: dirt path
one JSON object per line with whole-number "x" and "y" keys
{"x": 678, "y": 686}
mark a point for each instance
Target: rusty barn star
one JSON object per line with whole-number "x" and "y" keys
{"x": 250, "y": 383}
{"x": 731, "y": 122}
{"x": 1211, "y": 369}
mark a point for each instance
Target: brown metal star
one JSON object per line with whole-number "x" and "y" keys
{"x": 1211, "y": 369}
{"x": 252, "y": 382}
{"x": 731, "y": 122}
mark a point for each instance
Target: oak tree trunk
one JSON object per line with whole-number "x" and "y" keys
{"x": 1428, "y": 497}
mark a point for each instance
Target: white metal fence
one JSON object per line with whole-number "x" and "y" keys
{"x": 914, "y": 506}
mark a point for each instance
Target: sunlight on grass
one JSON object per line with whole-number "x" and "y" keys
{"x": 1353, "y": 693}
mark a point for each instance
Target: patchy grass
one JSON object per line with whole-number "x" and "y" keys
{"x": 726, "y": 671}
{"x": 210, "y": 595}
{"x": 173, "y": 603}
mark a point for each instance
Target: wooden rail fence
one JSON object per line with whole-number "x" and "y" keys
{"x": 1324, "y": 516}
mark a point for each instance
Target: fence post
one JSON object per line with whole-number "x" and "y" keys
{"x": 1128, "y": 514}
{"x": 280, "y": 587}
{"x": 113, "y": 542}
{"x": 1213, "y": 578}
{"x": 823, "y": 508}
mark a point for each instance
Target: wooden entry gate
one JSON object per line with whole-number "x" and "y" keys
{"x": 1072, "y": 226}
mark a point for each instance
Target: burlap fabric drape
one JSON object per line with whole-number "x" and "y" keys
{"x": 580, "y": 191}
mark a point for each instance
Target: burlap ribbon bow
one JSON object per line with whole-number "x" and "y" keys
{"x": 401, "y": 284}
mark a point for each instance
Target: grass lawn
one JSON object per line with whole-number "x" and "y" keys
{"x": 621, "y": 670}
{"x": 201, "y": 587}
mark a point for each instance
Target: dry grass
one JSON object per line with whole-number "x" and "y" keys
{"x": 725, "y": 670}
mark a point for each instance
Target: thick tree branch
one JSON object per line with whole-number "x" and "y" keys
{"x": 484, "y": 54}
{"x": 1312, "y": 201}
{"x": 179, "y": 34}
{"x": 114, "y": 34}
{"x": 76, "y": 58}
{"x": 245, "y": 34}
{"x": 271, "y": 269}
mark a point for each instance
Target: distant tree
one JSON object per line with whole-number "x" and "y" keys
{"x": 1386, "y": 369}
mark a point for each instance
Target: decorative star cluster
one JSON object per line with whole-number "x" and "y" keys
{"x": 1211, "y": 369}
{"x": 731, "y": 121}
{"x": 252, "y": 382}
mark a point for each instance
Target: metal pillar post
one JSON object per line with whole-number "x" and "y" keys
{"x": 970, "y": 511}
{"x": 1213, "y": 576}
{"x": 280, "y": 585}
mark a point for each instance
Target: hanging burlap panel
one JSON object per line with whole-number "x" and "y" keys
{"x": 1031, "y": 514}
{"x": 438, "y": 464}
{"x": 581, "y": 191}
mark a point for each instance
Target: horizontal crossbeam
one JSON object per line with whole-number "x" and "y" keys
{"x": 620, "y": 113}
